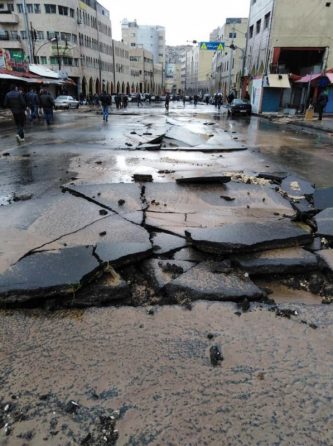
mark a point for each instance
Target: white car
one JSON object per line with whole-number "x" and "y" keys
{"x": 66, "y": 102}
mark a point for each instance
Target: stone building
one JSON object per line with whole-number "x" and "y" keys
{"x": 73, "y": 38}
{"x": 228, "y": 64}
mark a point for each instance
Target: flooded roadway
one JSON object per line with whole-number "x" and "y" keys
{"x": 274, "y": 386}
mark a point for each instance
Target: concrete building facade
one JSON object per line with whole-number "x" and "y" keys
{"x": 228, "y": 64}
{"x": 71, "y": 37}
{"x": 198, "y": 64}
{"x": 286, "y": 39}
{"x": 151, "y": 38}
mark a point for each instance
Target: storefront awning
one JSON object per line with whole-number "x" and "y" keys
{"x": 276, "y": 81}
{"x": 10, "y": 77}
{"x": 43, "y": 71}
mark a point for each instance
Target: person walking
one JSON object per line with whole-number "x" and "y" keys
{"x": 47, "y": 104}
{"x": 32, "y": 102}
{"x": 16, "y": 102}
{"x": 167, "y": 102}
{"x": 105, "y": 100}
{"x": 138, "y": 98}
{"x": 321, "y": 103}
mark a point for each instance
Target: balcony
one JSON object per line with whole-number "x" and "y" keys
{"x": 9, "y": 18}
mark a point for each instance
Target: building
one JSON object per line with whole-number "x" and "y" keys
{"x": 228, "y": 64}
{"x": 175, "y": 68}
{"x": 197, "y": 70}
{"x": 72, "y": 38}
{"x": 287, "y": 40}
{"x": 146, "y": 76}
{"x": 151, "y": 38}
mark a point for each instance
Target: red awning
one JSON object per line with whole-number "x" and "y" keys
{"x": 308, "y": 78}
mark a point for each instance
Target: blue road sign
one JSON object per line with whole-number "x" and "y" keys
{"x": 211, "y": 46}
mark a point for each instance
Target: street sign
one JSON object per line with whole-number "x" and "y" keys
{"x": 211, "y": 46}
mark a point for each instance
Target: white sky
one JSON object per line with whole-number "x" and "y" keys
{"x": 183, "y": 19}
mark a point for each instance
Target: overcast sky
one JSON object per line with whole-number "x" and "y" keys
{"x": 183, "y": 19}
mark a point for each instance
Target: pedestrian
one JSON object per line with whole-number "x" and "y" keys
{"x": 138, "y": 98}
{"x": 47, "y": 104}
{"x": 16, "y": 102}
{"x": 230, "y": 97}
{"x": 321, "y": 103}
{"x": 118, "y": 101}
{"x": 219, "y": 101}
{"x": 195, "y": 99}
{"x": 105, "y": 100}
{"x": 167, "y": 102}
{"x": 184, "y": 100}
{"x": 125, "y": 101}
{"x": 32, "y": 102}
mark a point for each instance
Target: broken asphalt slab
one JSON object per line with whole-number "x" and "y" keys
{"x": 323, "y": 198}
{"x": 161, "y": 272}
{"x": 204, "y": 179}
{"x": 46, "y": 274}
{"x": 166, "y": 243}
{"x": 326, "y": 256}
{"x": 175, "y": 208}
{"x": 279, "y": 261}
{"x": 296, "y": 188}
{"x": 324, "y": 222}
{"x": 249, "y": 237}
{"x": 206, "y": 281}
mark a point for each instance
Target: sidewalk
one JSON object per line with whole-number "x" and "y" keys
{"x": 326, "y": 125}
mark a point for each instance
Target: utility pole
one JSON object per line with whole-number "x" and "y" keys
{"x": 27, "y": 30}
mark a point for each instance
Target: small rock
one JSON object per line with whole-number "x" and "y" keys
{"x": 151, "y": 311}
{"x": 103, "y": 212}
{"x": 72, "y": 407}
{"x": 226, "y": 198}
{"x": 215, "y": 355}
{"x": 102, "y": 234}
{"x": 210, "y": 336}
{"x": 121, "y": 202}
{"x": 98, "y": 162}
{"x": 6, "y": 154}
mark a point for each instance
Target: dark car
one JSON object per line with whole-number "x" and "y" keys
{"x": 239, "y": 107}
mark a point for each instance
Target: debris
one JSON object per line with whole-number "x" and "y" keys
{"x": 144, "y": 178}
{"x": 102, "y": 234}
{"x": 103, "y": 212}
{"x": 121, "y": 202}
{"x": 215, "y": 354}
{"x": 226, "y": 198}
{"x": 72, "y": 407}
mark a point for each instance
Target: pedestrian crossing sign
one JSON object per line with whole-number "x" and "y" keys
{"x": 211, "y": 46}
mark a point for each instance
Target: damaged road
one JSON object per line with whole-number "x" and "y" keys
{"x": 84, "y": 234}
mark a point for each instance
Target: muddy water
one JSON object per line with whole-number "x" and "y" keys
{"x": 274, "y": 386}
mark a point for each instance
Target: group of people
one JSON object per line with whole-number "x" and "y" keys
{"x": 31, "y": 102}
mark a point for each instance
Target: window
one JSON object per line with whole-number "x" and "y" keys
{"x": 4, "y": 35}
{"x": 258, "y": 26}
{"x": 30, "y": 8}
{"x": 63, "y": 10}
{"x": 251, "y": 32}
{"x": 20, "y": 8}
{"x": 71, "y": 12}
{"x": 74, "y": 38}
{"x": 37, "y": 8}
{"x": 232, "y": 35}
{"x": 50, "y": 9}
{"x": 40, "y": 35}
{"x": 43, "y": 60}
{"x": 10, "y": 7}
{"x": 267, "y": 19}
{"x": 14, "y": 35}
{"x": 23, "y": 35}
{"x": 53, "y": 60}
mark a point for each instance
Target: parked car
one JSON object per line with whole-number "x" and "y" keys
{"x": 239, "y": 107}
{"x": 65, "y": 102}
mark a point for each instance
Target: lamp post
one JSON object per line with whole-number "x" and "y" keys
{"x": 55, "y": 39}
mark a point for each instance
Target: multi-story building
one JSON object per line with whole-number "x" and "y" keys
{"x": 70, "y": 37}
{"x": 286, "y": 37}
{"x": 175, "y": 68}
{"x": 228, "y": 64}
{"x": 143, "y": 76}
{"x": 198, "y": 63}
{"x": 151, "y": 38}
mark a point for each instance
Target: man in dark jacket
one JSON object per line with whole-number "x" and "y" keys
{"x": 105, "y": 100}
{"x": 47, "y": 103}
{"x": 16, "y": 102}
{"x": 32, "y": 101}
{"x": 322, "y": 102}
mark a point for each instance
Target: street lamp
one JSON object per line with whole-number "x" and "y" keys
{"x": 55, "y": 39}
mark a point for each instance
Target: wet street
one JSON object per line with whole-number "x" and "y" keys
{"x": 132, "y": 249}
